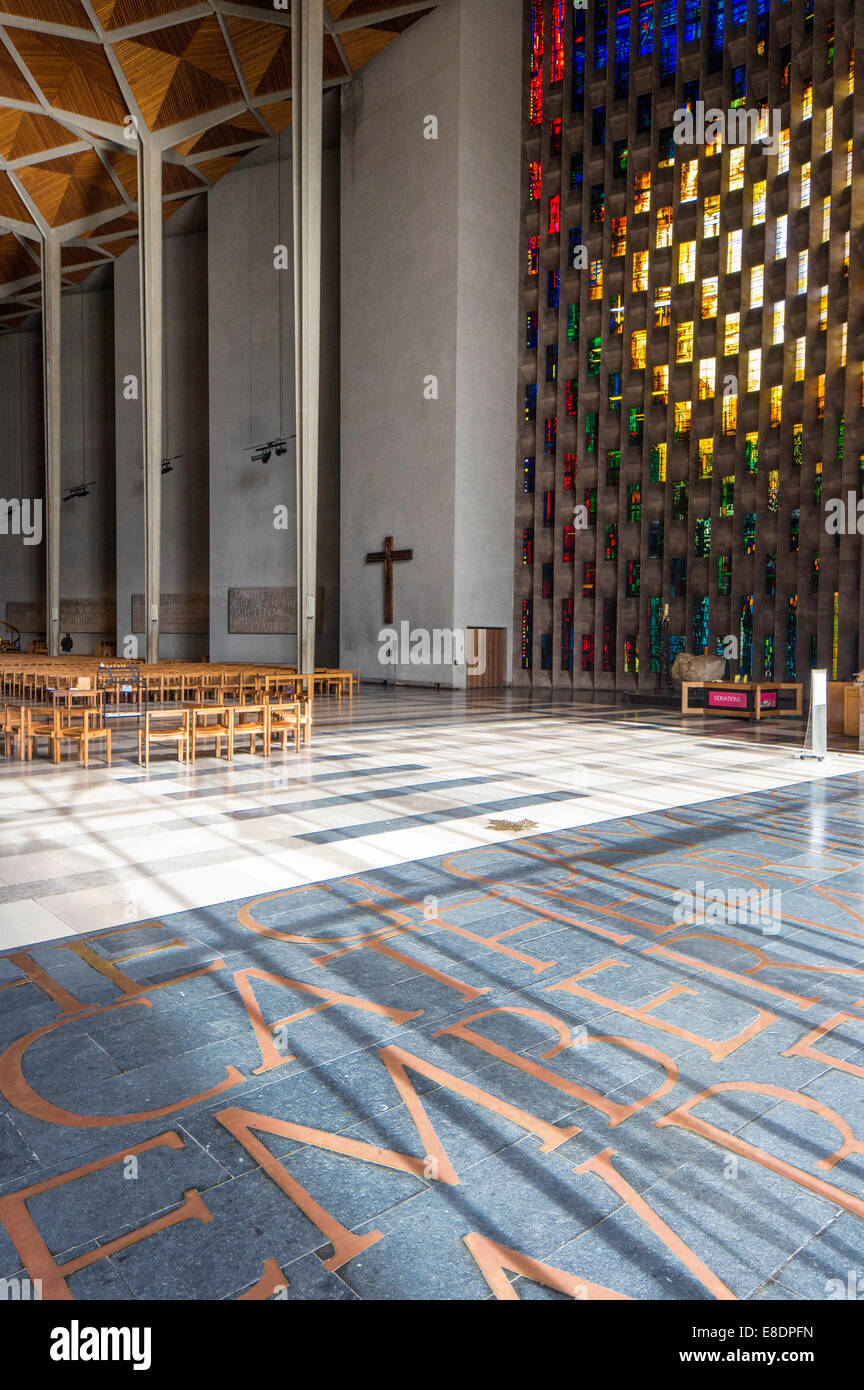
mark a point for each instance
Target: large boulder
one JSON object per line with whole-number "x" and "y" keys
{"x": 698, "y": 668}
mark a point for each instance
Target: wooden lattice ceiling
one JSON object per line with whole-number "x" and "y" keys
{"x": 211, "y": 80}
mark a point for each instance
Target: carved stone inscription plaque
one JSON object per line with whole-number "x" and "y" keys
{"x": 76, "y": 615}
{"x": 258, "y": 612}
{"x": 179, "y": 614}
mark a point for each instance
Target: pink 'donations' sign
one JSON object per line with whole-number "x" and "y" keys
{"x": 727, "y": 699}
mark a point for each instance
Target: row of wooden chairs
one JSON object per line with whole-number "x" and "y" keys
{"x": 22, "y": 728}
{"x": 230, "y": 725}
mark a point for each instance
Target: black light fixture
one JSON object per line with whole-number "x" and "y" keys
{"x": 168, "y": 464}
{"x": 80, "y": 490}
{"x": 262, "y": 453}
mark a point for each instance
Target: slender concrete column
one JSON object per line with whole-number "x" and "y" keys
{"x": 307, "y": 31}
{"x": 151, "y": 297}
{"x": 51, "y": 333}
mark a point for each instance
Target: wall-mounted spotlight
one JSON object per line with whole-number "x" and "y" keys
{"x": 80, "y": 490}
{"x": 262, "y": 453}
{"x": 168, "y": 464}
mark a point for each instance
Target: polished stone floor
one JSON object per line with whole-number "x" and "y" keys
{"x": 325, "y": 1027}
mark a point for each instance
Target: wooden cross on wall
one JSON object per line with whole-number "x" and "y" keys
{"x": 388, "y": 557}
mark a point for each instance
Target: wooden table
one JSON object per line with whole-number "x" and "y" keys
{"x": 743, "y": 699}
{"x": 71, "y": 697}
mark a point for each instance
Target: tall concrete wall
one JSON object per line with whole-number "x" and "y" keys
{"x": 87, "y": 541}
{"x": 429, "y": 257}
{"x": 185, "y": 512}
{"x": 252, "y": 399}
{"x": 22, "y": 470}
{"x": 87, "y": 524}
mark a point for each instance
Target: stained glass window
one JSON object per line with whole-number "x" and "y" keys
{"x": 746, "y": 637}
{"x": 611, "y": 546}
{"x": 668, "y": 38}
{"x": 700, "y": 624}
{"x": 770, "y": 574}
{"x": 706, "y": 458}
{"x": 791, "y": 636}
{"x": 610, "y": 628}
{"x": 567, "y": 635}
{"x": 655, "y": 639}
{"x": 556, "y": 70}
{"x": 601, "y": 34}
{"x": 578, "y": 97}
{"x": 528, "y": 474}
{"x": 646, "y": 27}
{"x": 536, "y": 84}
{"x": 724, "y": 575}
{"x": 702, "y": 538}
{"x": 634, "y": 502}
{"x": 748, "y": 534}
{"x": 569, "y": 479}
{"x": 527, "y": 632}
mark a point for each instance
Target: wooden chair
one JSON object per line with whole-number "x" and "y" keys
{"x": 249, "y": 721}
{"x": 93, "y": 730}
{"x": 56, "y": 726}
{"x": 210, "y": 724}
{"x": 285, "y": 720}
{"x": 164, "y": 726}
{"x": 11, "y": 724}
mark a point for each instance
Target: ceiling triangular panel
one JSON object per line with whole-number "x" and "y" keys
{"x": 11, "y": 205}
{"x": 118, "y": 14}
{"x": 13, "y": 83}
{"x": 24, "y": 133}
{"x": 72, "y": 75}
{"x": 362, "y": 45}
{"x": 179, "y": 73}
{"x": 70, "y": 13}
{"x": 240, "y": 130}
{"x": 216, "y": 169}
{"x": 70, "y": 188}
{"x": 15, "y": 262}
{"x": 264, "y": 53}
